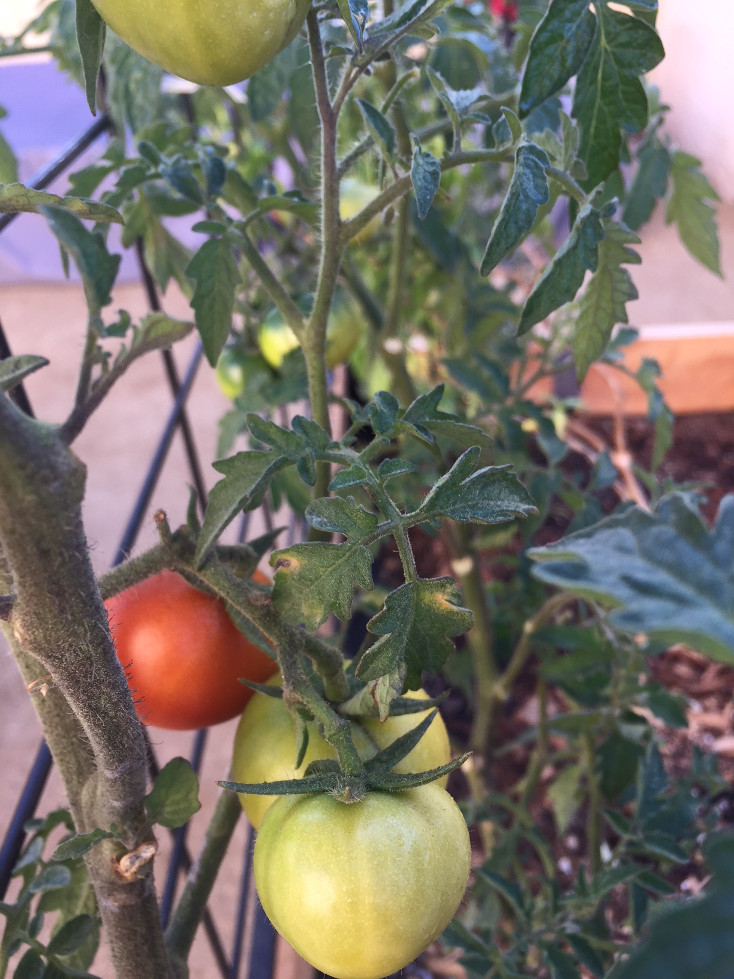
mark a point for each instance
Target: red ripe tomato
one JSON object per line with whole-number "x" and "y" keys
{"x": 182, "y": 653}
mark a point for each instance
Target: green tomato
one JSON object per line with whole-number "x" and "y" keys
{"x": 355, "y": 194}
{"x": 211, "y": 42}
{"x": 265, "y": 746}
{"x": 343, "y": 331}
{"x": 360, "y": 890}
{"x": 236, "y": 369}
{"x": 276, "y": 339}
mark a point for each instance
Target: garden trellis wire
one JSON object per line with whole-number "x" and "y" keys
{"x": 259, "y": 964}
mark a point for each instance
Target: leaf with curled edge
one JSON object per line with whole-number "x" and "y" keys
{"x": 415, "y": 627}
{"x": 665, "y": 574}
{"x": 490, "y": 495}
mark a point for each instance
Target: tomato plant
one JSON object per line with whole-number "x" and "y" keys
{"x": 265, "y": 746}
{"x": 182, "y": 653}
{"x": 360, "y": 890}
{"x": 212, "y": 43}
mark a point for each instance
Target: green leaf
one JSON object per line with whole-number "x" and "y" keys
{"x": 158, "y": 330}
{"x": 649, "y": 183}
{"x": 617, "y": 761}
{"x": 527, "y": 192}
{"x": 72, "y": 935}
{"x": 456, "y": 103}
{"x": 52, "y": 877}
{"x": 336, "y": 515}
{"x": 564, "y": 274}
{"x": 31, "y": 966}
{"x": 609, "y": 95}
{"x": 557, "y": 50}
{"x": 415, "y": 626}
{"x": 78, "y": 845}
{"x": 90, "y": 34}
{"x": 316, "y": 579}
{"x": 380, "y": 128}
{"x": 355, "y": 14}
{"x": 603, "y": 304}
{"x": 564, "y": 796}
{"x": 688, "y": 206}
{"x": 247, "y": 476}
{"x": 666, "y": 574}
{"x": 14, "y": 369}
{"x": 97, "y": 267}
{"x": 174, "y": 797}
{"x": 585, "y": 953}
{"x": 216, "y": 276}
{"x": 425, "y": 174}
{"x": 490, "y": 495}
{"x": 562, "y": 965}
{"x": 690, "y": 939}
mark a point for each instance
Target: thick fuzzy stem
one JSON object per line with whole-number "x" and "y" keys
{"x": 58, "y": 628}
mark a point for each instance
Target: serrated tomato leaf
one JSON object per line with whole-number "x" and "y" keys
{"x": 334, "y": 514}
{"x": 609, "y": 95}
{"x": 527, "y": 192}
{"x": 247, "y": 476}
{"x": 425, "y": 174}
{"x": 215, "y": 275}
{"x": 564, "y": 274}
{"x": 488, "y": 496}
{"x": 689, "y": 206}
{"x": 317, "y": 579}
{"x": 415, "y": 627}
{"x": 603, "y": 304}
{"x": 665, "y": 574}
{"x": 557, "y": 50}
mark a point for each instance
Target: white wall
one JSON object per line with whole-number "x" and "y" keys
{"x": 697, "y": 80}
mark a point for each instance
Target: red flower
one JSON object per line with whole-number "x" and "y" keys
{"x": 504, "y": 9}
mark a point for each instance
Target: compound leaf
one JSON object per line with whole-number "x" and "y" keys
{"x": 688, "y": 206}
{"x": 603, "y": 304}
{"x": 317, "y": 579}
{"x": 415, "y": 626}
{"x": 664, "y": 573}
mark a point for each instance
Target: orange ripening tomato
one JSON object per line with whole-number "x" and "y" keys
{"x": 182, "y": 653}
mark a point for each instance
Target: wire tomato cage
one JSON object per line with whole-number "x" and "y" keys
{"x": 254, "y": 957}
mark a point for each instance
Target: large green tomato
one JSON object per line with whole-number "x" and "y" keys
{"x": 360, "y": 890}
{"x": 344, "y": 328}
{"x": 265, "y": 746}
{"x": 212, "y": 42}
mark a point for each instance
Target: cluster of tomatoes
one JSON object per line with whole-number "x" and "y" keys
{"x": 358, "y": 890}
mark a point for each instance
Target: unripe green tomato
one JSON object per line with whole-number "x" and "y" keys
{"x": 211, "y": 42}
{"x": 265, "y": 746}
{"x": 275, "y": 339}
{"x": 343, "y": 330}
{"x": 359, "y": 890}
{"x": 236, "y": 368}
{"x": 355, "y": 194}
